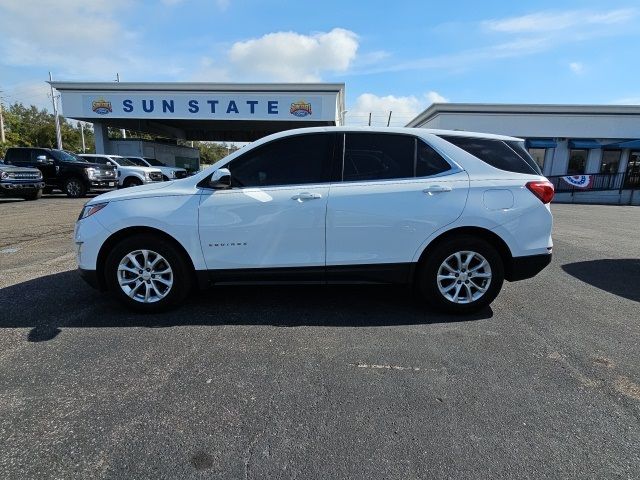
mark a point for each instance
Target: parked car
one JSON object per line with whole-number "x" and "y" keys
{"x": 20, "y": 182}
{"x": 129, "y": 174}
{"x": 453, "y": 213}
{"x": 64, "y": 170}
{"x": 168, "y": 173}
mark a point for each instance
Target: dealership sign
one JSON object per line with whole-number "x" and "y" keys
{"x": 294, "y": 106}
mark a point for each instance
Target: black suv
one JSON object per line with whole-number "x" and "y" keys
{"x": 20, "y": 182}
{"x": 64, "y": 171}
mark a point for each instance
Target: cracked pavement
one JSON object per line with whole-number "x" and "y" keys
{"x": 313, "y": 382}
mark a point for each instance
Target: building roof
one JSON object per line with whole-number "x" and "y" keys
{"x": 199, "y": 86}
{"x": 521, "y": 109}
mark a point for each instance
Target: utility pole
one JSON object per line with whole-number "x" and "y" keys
{"x": 2, "y": 137}
{"x": 369, "y": 118}
{"x": 55, "y": 113}
{"x": 389, "y": 119}
{"x": 84, "y": 148}
{"x": 122, "y": 130}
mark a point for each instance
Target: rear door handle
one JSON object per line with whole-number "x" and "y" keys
{"x": 306, "y": 196}
{"x": 436, "y": 189}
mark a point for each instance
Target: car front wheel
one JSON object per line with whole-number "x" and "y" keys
{"x": 75, "y": 188}
{"x": 147, "y": 274}
{"x": 461, "y": 275}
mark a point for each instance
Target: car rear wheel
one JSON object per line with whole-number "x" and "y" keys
{"x": 131, "y": 182}
{"x": 74, "y": 187}
{"x": 461, "y": 275}
{"x": 148, "y": 274}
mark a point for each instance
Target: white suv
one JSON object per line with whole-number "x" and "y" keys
{"x": 129, "y": 174}
{"x": 453, "y": 213}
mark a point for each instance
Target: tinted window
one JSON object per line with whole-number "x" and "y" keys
{"x": 577, "y": 162}
{"x": 509, "y": 156}
{"x": 289, "y": 161}
{"x": 35, "y": 153}
{"x": 429, "y": 162}
{"x": 18, "y": 155}
{"x": 610, "y": 161}
{"x": 137, "y": 161}
{"x": 100, "y": 160}
{"x": 375, "y": 156}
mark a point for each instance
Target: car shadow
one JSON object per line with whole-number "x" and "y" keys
{"x": 617, "y": 276}
{"x": 63, "y": 300}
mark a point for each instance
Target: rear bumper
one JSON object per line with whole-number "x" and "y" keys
{"x": 522, "y": 268}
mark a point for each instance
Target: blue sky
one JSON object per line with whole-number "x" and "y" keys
{"x": 398, "y": 56}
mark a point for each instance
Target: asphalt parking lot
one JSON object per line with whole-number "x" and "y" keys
{"x": 313, "y": 382}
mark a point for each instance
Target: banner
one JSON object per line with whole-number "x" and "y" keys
{"x": 579, "y": 181}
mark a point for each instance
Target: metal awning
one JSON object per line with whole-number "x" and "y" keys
{"x": 626, "y": 144}
{"x": 584, "y": 143}
{"x": 541, "y": 143}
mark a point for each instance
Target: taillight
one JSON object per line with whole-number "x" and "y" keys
{"x": 541, "y": 189}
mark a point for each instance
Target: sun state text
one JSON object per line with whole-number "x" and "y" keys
{"x": 250, "y": 107}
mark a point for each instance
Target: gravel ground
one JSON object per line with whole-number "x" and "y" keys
{"x": 321, "y": 382}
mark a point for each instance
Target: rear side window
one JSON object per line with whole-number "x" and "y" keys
{"x": 429, "y": 162}
{"x": 383, "y": 156}
{"x": 18, "y": 156}
{"x": 505, "y": 155}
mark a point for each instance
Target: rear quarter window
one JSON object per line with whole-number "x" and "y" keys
{"x": 505, "y": 155}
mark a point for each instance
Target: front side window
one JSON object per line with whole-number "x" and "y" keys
{"x": 577, "y": 162}
{"x": 301, "y": 159}
{"x": 610, "y": 161}
{"x": 375, "y": 156}
{"x": 64, "y": 156}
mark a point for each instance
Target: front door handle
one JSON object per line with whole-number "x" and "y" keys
{"x": 306, "y": 196}
{"x": 431, "y": 189}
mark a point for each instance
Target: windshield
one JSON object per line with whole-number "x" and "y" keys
{"x": 125, "y": 162}
{"x": 137, "y": 161}
{"x": 65, "y": 156}
{"x": 154, "y": 162}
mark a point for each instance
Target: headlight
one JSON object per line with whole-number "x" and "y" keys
{"x": 173, "y": 174}
{"x": 89, "y": 210}
{"x": 4, "y": 175}
{"x": 147, "y": 175}
{"x": 91, "y": 172}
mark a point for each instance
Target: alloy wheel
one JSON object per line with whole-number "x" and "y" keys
{"x": 464, "y": 277}
{"x": 145, "y": 276}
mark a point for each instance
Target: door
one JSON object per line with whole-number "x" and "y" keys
{"x": 274, "y": 214}
{"x": 396, "y": 192}
{"x": 48, "y": 168}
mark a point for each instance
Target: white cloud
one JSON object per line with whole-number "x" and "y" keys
{"x": 576, "y": 67}
{"x": 87, "y": 39}
{"x": 403, "y": 108}
{"x": 550, "y": 21}
{"x": 293, "y": 57}
{"x": 28, "y": 93}
{"x": 627, "y": 101}
{"x": 435, "y": 97}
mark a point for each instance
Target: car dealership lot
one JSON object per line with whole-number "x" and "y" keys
{"x": 313, "y": 382}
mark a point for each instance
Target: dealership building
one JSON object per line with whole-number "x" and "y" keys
{"x": 196, "y": 111}
{"x": 597, "y": 145}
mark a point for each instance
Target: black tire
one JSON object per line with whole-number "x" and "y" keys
{"x": 181, "y": 271}
{"x": 35, "y": 195}
{"x": 74, "y": 187}
{"x": 131, "y": 182}
{"x": 427, "y": 278}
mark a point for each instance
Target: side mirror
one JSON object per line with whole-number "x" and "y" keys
{"x": 44, "y": 159}
{"x": 220, "y": 179}
{"x": 109, "y": 163}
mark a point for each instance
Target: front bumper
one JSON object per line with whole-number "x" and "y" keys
{"x": 103, "y": 185}
{"x": 529, "y": 266}
{"x": 11, "y": 187}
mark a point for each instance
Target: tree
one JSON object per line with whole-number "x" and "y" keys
{"x": 30, "y": 127}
